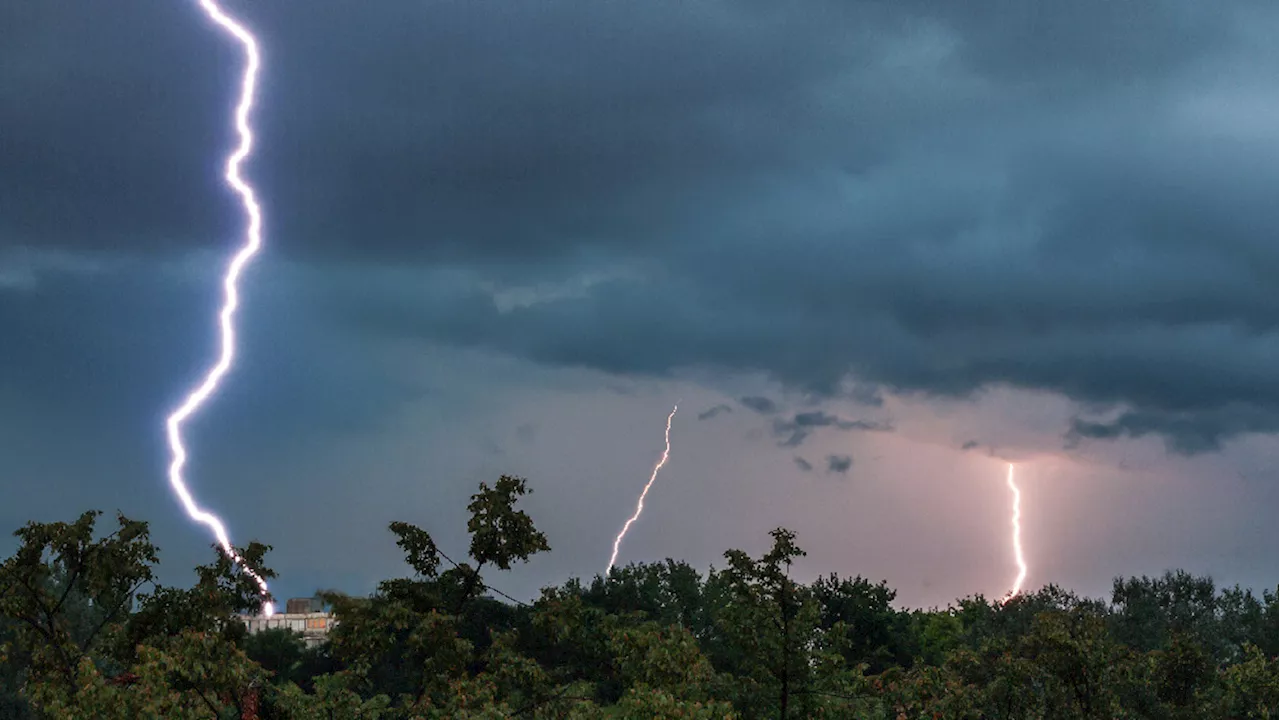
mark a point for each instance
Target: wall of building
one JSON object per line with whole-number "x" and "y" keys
{"x": 313, "y": 626}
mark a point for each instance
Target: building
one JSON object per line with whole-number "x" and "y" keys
{"x": 305, "y": 616}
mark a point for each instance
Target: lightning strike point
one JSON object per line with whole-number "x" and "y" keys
{"x": 1017, "y": 538}
{"x": 617, "y": 542}
{"x": 231, "y": 298}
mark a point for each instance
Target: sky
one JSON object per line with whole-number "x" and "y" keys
{"x": 876, "y": 250}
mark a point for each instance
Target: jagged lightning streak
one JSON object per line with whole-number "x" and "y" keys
{"x": 640, "y": 505}
{"x": 1017, "y": 537}
{"x": 231, "y": 298}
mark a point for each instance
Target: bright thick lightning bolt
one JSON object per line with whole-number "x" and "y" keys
{"x": 640, "y": 505}
{"x": 1017, "y": 537}
{"x": 231, "y": 298}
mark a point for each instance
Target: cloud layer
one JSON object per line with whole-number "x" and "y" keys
{"x": 921, "y": 197}
{"x": 839, "y": 464}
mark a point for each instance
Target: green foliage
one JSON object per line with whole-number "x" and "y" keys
{"x": 286, "y": 658}
{"x": 500, "y": 534}
{"x": 86, "y": 632}
{"x": 861, "y": 613}
{"x": 67, "y": 594}
{"x": 13, "y": 672}
{"x": 332, "y": 700}
{"x": 668, "y": 592}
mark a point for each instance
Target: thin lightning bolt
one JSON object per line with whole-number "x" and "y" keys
{"x": 640, "y": 505}
{"x": 231, "y": 298}
{"x": 1017, "y": 538}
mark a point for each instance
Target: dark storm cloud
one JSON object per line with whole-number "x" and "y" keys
{"x": 762, "y": 405}
{"x": 969, "y": 445}
{"x": 839, "y": 464}
{"x": 531, "y": 145}
{"x": 104, "y": 353}
{"x": 866, "y": 395}
{"x": 1186, "y": 433}
{"x": 794, "y": 431}
{"x": 803, "y": 464}
{"x": 1084, "y": 42}
{"x": 929, "y": 197}
{"x": 714, "y": 411}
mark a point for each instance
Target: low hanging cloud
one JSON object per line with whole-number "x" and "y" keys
{"x": 794, "y": 431}
{"x": 22, "y": 268}
{"x": 1185, "y": 433}
{"x": 714, "y": 411}
{"x": 762, "y": 405}
{"x": 839, "y": 464}
{"x": 803, "y": 464}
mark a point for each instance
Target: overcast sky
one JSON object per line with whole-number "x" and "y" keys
{"x": 877, "y": 249}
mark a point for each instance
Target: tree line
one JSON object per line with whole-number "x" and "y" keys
{"x": 87, "y": 632}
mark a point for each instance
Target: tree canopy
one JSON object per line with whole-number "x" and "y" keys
{"x": 86, "y": 631}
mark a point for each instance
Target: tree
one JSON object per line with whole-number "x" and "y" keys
{"x": 67, "y": 593}
{"x": 13, "y": 673}
{"x": 1148, "y": 611}
{"x": 1079, "y": 660}
{"x": 86, "y": 632}
{"x": 1247, "y": 689}
{"x": 669, "y": 593}
{"x": 767, "y": 629}
{"x": 191, "y": 675}
{"x": 874, "y": 633}
{"x": 1183, "y": 670}
{"x": 95, "y": 646}
{"x": 405, "y": 642}
{"x": 285, "y": 656}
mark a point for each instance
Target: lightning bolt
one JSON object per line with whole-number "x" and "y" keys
{"x": 231, "y": 298}
{"x": 1017, "y": 538}
{"x": 640, "y": 505}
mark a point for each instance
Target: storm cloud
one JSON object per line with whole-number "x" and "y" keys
{"x": 839, "y": 464}
{"x": 795, "y": 430}
{"x": 919, "y": 197}
{"x": 714, "y": 411}
{"x": 762, "y": 405}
